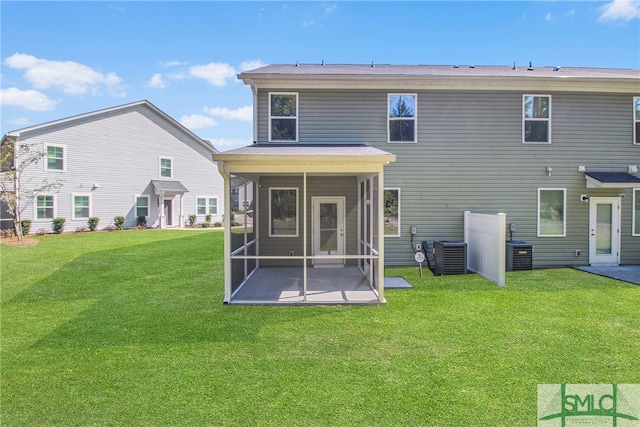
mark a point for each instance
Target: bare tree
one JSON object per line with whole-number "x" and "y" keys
{"x": 17, "y": 190}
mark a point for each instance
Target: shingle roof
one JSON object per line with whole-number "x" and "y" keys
{"x": 380, "y": 70}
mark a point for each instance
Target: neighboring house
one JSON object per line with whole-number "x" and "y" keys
{"x": 131, "y": 160}
{"x": 555, "y": 149}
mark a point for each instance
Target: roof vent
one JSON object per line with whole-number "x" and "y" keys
{"x": 323, "y": 62}
{"x": 472, "y": 66}
{"x": 557, "y": 68}
{"x": 530, "y": 67}
{"x": 455, "y": 66}
{"x": 372, "y": 66}
{"x": 297, "y": 64}
{"x": 514, "y": 66}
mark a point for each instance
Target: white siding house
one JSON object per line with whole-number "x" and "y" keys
{"x": 131, "y": 160}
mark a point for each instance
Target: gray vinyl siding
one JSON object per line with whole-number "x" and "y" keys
{"x": 470, "y": 156}
{"x": 119, "y": 151}
{"x": 316, "y": 186}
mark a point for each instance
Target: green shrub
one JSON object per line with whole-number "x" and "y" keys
{"x": 118, "y": 222}
{"x": 25, "y": 226}
{"x": 57, "y": 225}
{"x": 207, "y": 217}
{"x": 206, "y": 224}
{"x": 218, "y": 224}
{"x": 192, "y": 219}
{"x": 93, "y": 223}
{"x": 141, "y": 222}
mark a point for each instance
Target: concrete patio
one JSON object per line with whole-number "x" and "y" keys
{"x": 626, "y": 273}
{"x": 284, "y": 285}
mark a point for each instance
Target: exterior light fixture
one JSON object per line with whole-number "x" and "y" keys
{"x": 548, "y": 169}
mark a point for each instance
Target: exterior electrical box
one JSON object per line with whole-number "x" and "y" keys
{"x": 450, "y": 257}
{"x": 519, "y": 255}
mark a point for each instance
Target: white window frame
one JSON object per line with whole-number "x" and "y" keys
{"x": 399, "y": 204}
{"x": 207, "y": 205}
{"x": 525, "y": 119}
{"x": 635, "y": 216}
{"x": 135, "y": 203}
{"x": 296, "y": 117}
{"x": 564, "y": 213}
{"x": 73, "y": 205}
{"x": 35, "y": 207}
{"x": 161, "y": 158}
{"x": 297, "y": 211}
{"x": 64, "y": 157}
{"x": 415, "y": 118}
{"x": 636, "y": 119}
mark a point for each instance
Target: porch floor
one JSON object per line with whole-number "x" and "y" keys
{"x": 284, "y": 285}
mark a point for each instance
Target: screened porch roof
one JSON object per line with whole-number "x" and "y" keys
{"x": 289, "y": 158}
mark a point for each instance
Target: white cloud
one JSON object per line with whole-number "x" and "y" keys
{"x": 216, "y": 74}
{"x": 71, "y": 77}
{"x": 27, "y": 99}
{"x": 625, "y": 10}
{"x": 19, "y": 121}
{"x": 197, "y": 121}
{"x": 242, "y": 113}
{"x": 251, "y": 65}
{"x": 156, "y": 82}
{"x": 548, "y": 17}
{"x": 169, "y": 64}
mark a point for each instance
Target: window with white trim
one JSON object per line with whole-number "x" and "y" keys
{"x": 166, "y": 167}
{"x": 391, "y": 212}
{"x": 207, "y": 205}
{"x": 401, "y": 114}
{"x": 81, "y": 206}
{"x": 536, "y": 119}
{"x": 283, "y": 117}
{"x": 142, "y": 206}
{"x": 55, "y": 157}
{"x": 636, "y": 212}
{"x": 283, "y": 212}
{"x": 636, "y": 120}
{"x": 552, "y": 218}
{"x": 45, "y": 207}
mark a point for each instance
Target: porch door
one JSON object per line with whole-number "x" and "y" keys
{"x": 168, "y": 212}
{"x": 604, "y": 226}
{"x": 328, "y": 230}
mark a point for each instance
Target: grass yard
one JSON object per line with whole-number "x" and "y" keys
{"x": 128, "y": 328}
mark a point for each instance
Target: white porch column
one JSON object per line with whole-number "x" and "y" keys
{"x": 380, "y": 224}
{"x": 181, "y": 219}
{"x": 227, "y": 231}
{"x": 163, "y": 220}
{"x": 304, "y": 235}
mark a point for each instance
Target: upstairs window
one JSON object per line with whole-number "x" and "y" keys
{"x": 283, "y": 117}
{"x": 166, "y": 169}
{"x": 636, "y": 120}
{"x": 402, "y": 117}
{"x": 536, "y": 119}
{"x": 55, "y": 158}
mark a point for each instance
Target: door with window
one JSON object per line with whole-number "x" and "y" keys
{"x": 604, "y": 230}
{"x": 328, "y": 230}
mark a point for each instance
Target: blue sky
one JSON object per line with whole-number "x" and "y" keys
{"x": 65, "y": 58}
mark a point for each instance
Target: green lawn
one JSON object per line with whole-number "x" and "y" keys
{"x": 128, "y": 328}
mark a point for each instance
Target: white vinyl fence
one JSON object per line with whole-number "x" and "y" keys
{"x": 485, "y": 236}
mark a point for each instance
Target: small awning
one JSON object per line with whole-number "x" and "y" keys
{"x": 168, "y": 188}
{"x": 611, "y": 180}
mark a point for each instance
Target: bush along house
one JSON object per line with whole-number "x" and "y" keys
{"x": 355, "y": 164}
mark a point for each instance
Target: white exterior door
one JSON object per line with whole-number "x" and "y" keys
{"x": 328, "y": 229}
{"x": 604, "y": 230}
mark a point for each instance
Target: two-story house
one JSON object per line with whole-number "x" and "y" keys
{"x": 354, "y": 164}
{"x": 131, "y": 160}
